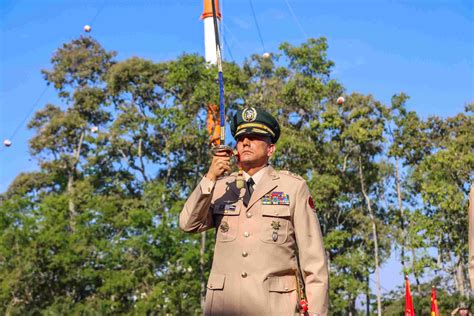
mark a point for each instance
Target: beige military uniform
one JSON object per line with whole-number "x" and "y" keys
{"x": 258, "y": 247}
{"x": 471, "y": 236}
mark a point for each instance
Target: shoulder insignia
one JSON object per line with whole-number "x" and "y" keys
{"x": 311, "y": 204}
{"x": 291, "y": 174}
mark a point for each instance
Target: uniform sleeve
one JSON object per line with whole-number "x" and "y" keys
{"x": 471, "y": 236}
{"x": 196, "y": 215}
{"x": 312, "y": 256}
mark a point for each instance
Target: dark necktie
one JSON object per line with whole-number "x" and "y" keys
{"x": 249, "y": 191}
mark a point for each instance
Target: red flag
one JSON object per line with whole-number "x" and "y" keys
{"x": 434, "y": 303}
{"x": 409, "y": 310}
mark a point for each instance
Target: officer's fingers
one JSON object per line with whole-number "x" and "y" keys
{"x": 225, "y": 168}
{"x": 222, "y": 161}
{"x": 224, "y": 165}
{"x": 224, "y": 158}
{"x": 219, "y": 164}
{"x": 221, "y": 158}
{"x": 221, "y": 154}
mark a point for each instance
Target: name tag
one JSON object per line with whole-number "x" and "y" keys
{"x": 227, "y": 207}
{"x": 276, "y": 198}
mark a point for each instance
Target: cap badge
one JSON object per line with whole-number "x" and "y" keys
{"x": 249, "y": 114}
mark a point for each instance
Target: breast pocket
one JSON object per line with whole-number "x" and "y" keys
{"x": 275, "y": 224}
{"x": 226, "y": 217}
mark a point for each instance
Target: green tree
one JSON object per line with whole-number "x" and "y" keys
{"x": 94, "y": 230}
{"x": 444, "y": 178}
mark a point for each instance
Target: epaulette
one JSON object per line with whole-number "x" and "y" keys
{"x": 291, "y": 174}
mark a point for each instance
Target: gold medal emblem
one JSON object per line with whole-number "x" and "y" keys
{"x": 224, "y": 227}
{"x": 275, "y": 225}
{"x": 249, "y": 114}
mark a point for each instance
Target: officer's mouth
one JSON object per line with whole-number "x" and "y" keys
{"x": 246, "y": 152}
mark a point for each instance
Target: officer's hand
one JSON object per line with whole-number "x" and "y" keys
{"x": 219, "y": 165}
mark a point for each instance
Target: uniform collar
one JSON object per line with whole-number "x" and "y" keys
{"x": 256, "y": 177}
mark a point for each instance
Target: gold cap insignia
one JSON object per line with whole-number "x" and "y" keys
{"x": 249, "y": 114}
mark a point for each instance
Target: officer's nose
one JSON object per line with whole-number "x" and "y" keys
{"x": 245, "y": 141}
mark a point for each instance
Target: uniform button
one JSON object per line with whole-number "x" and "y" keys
{"x": 249, "y": 215}
{"x": 210, "y": 286}
{"x": 244, "y": 254}
{"x": 244, "y": 274}
{"x": 246, "y": 234}
{"x": 286, "y": 288}
{"x": 276, "y": 213}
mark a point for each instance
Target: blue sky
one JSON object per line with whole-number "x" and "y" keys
{"x": 424, "y": 48}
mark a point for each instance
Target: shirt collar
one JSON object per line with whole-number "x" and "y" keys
{"x": 256, "y": 177}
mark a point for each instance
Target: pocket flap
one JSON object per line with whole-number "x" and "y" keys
{"x": 227, "y": 209}
{"x": 216, "y": 281}
{"x": 286, "y": 283}
{"x": 276, "y": 211}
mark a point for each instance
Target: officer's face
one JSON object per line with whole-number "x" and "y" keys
{"x": 254, "y": 151}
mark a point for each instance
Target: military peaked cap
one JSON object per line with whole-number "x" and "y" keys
{"x": 254, "y": 121}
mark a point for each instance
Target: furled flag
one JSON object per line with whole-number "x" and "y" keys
{"x": 213, "y": 124}
{"x": 409, "y": 310}
{"x": 434, "y": 303}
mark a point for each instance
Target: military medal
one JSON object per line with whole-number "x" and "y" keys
{"x": 224, "y": 227}
{"x": 276, "y": 198}
{"x": 276, "y": 226}
{"x": 275, "y": 235}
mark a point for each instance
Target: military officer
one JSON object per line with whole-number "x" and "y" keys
{"x": 268, "y": 238}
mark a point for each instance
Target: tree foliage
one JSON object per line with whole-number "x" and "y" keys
{"x": 94, "y": 230}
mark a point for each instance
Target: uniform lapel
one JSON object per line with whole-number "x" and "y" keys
{"x": 266, "y": 184}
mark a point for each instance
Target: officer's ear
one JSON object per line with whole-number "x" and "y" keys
{"x": 271, "y": 149}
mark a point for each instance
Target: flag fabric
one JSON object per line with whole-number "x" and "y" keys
{"x": 434, "y": 303}
{"x": 409, "y": 310}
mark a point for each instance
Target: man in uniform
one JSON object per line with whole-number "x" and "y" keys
{"x": 268, "y": 237}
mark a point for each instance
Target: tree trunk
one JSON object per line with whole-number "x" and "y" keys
{"x": 142, "y": 164}
{"x": 70, "y": 183}
{"x": 374, "y": 233}
{"x": 415, "y": 273}
{"x": 71, "y": 204}
{"x": 367, "y": 297}
{"x": 460, "y": 276}
{"x": 352, "y": 311}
